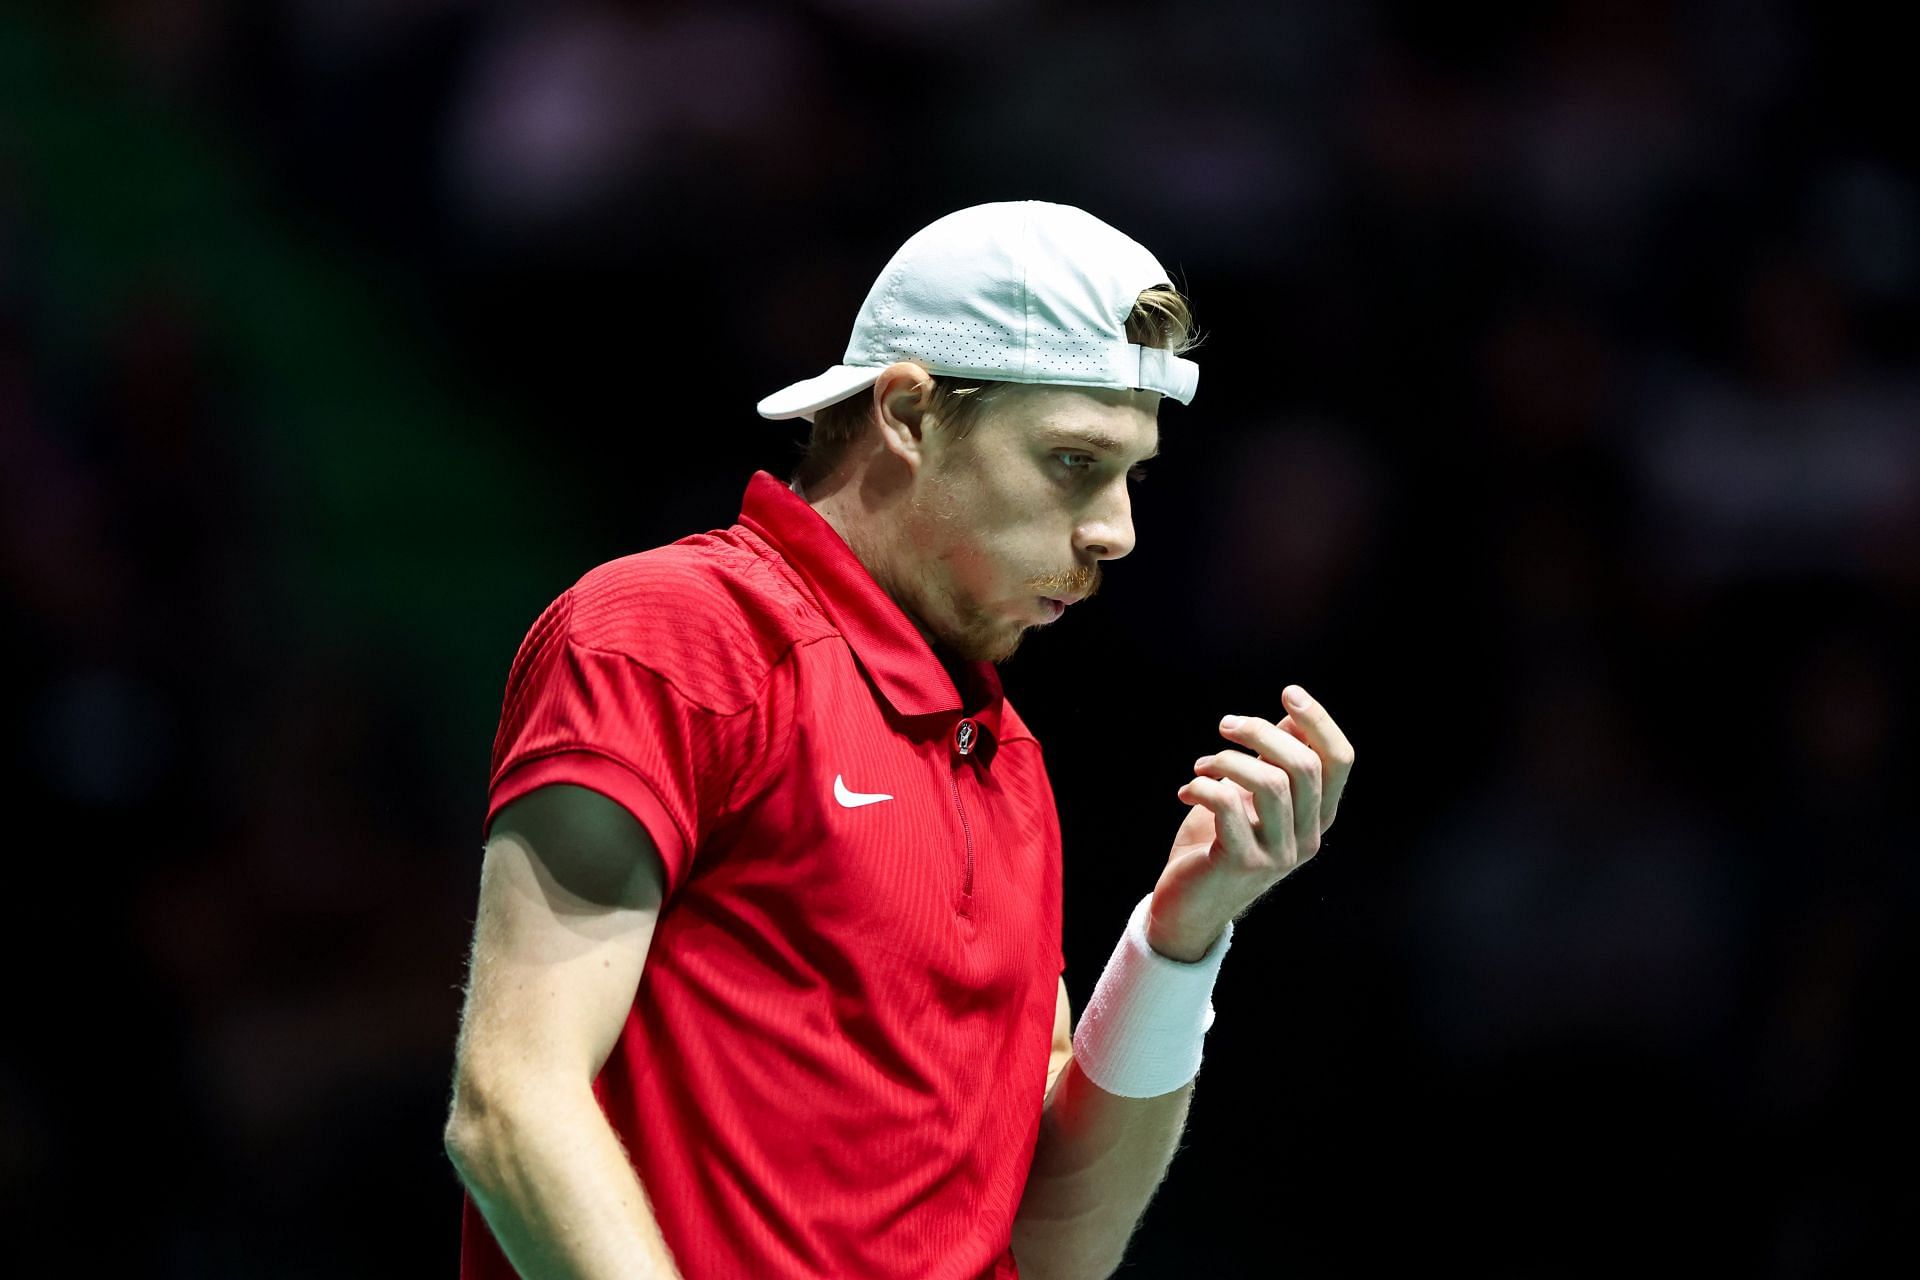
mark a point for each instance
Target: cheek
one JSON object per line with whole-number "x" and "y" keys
{"x": 993, "y": 548}
{"x": 973, "y": 571}
{"x": 1016, "y": 560}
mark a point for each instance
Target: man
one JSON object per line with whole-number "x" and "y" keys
{"x": 766, "y": 977}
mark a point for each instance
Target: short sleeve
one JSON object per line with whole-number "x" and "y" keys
{"x": 622, "y": 724}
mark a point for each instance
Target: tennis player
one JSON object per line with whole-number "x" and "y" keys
{"x": 767, "y": 971}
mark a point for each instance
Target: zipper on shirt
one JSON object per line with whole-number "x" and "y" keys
{"x": 967, "y": 888}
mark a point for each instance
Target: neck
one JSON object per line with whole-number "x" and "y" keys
{"x": 828, "y": 509}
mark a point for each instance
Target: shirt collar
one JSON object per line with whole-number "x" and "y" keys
{"x": 896, "y": 657}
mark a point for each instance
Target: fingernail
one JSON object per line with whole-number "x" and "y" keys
{"x": 1230, "y": 722}
{"x": 1202, "y": 762}
{"x": 1296, "y": 697}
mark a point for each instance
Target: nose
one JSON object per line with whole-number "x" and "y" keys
{"x": 1106, "y": 532}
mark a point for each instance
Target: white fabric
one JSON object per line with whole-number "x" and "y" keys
{"x": 1017, "y": 291}
{"x": 1141, "y": 1033}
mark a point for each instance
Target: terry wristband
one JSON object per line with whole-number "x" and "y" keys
{"x": 1140, "y": 1035}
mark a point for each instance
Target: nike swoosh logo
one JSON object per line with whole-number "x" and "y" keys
{"x": 853, "y": 799}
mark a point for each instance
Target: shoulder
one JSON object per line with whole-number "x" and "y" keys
{"x": 706, "y": 613}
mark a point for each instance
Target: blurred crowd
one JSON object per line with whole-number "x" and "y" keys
{"x": 1560, "y": 429}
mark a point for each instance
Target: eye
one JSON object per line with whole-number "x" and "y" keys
{"x": 1138, "y": 474}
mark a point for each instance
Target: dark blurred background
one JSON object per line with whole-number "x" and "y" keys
{"x": 1560, "y": 430}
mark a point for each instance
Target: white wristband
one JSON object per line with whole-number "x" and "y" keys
{"x": 1140, "y": 1034}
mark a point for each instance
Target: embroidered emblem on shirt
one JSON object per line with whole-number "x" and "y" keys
{"x": 853, "y": 799}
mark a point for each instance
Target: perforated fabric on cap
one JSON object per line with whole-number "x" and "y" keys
{"x": 1017, "y": 291}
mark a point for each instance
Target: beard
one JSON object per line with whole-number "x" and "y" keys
{"x": 978, "y": 636}
{"x": 951, "y": 619}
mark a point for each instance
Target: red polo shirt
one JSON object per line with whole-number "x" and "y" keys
{"x": 835, "y": 1060}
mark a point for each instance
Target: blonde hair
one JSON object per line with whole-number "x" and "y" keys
{"x": 1161, "y": 317}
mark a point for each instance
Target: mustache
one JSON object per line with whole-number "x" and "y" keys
{"x": 1080, "y": 586}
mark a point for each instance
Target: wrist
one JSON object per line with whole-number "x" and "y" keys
{"x": 1140, "y": 1035}
{"x": 1182, "y": 949}
{"x": 1185, "y": 945}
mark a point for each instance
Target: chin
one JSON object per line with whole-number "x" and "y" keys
{"x": 991, "y": 642}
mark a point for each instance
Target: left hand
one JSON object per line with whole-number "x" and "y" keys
{"x": 1255, "y": 817}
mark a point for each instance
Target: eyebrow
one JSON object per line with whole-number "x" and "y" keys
{"x": 1098, "y": 439}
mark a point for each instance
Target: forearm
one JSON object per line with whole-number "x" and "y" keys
{"x": 557, "y": 1189}
{"x": 1097, "y": 1163}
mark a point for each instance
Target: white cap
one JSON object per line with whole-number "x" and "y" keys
{"x": 1017, "y": 291}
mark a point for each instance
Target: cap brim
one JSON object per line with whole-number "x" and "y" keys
{"x": 802, "y": 398}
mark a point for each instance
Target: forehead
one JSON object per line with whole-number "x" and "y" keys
{"x": 1121, "y": 422}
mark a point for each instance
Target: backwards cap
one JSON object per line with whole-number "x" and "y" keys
{"x": 1017, "y": 291}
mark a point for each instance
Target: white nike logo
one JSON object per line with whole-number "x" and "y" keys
{"x": 853, "y": 799}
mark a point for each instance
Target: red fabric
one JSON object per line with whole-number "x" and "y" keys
{"x": 835, "y": 1060}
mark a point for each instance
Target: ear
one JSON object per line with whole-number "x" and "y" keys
{"x": 901, "y": 398}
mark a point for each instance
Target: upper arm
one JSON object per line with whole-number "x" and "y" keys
{"x": 1062, "y": 1038}
{"x": 570, "y": 891}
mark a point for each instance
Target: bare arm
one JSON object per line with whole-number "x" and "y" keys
{"x": 569, "y": 893}
{"x": 1098, "y": 1162}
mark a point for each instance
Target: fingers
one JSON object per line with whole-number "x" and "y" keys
{"x": 1321, "y": 731}
{"x": 1232, "y": 815}
{"x": 1332, "y": 780}
{"x": 1302, "y": 767}
{"x": 1318, "y": 730}
{"x": 1287, "y": 812}
{"x": 1314, "y": 727}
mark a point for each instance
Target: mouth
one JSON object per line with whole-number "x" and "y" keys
{"x": 1054, "y": 608}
